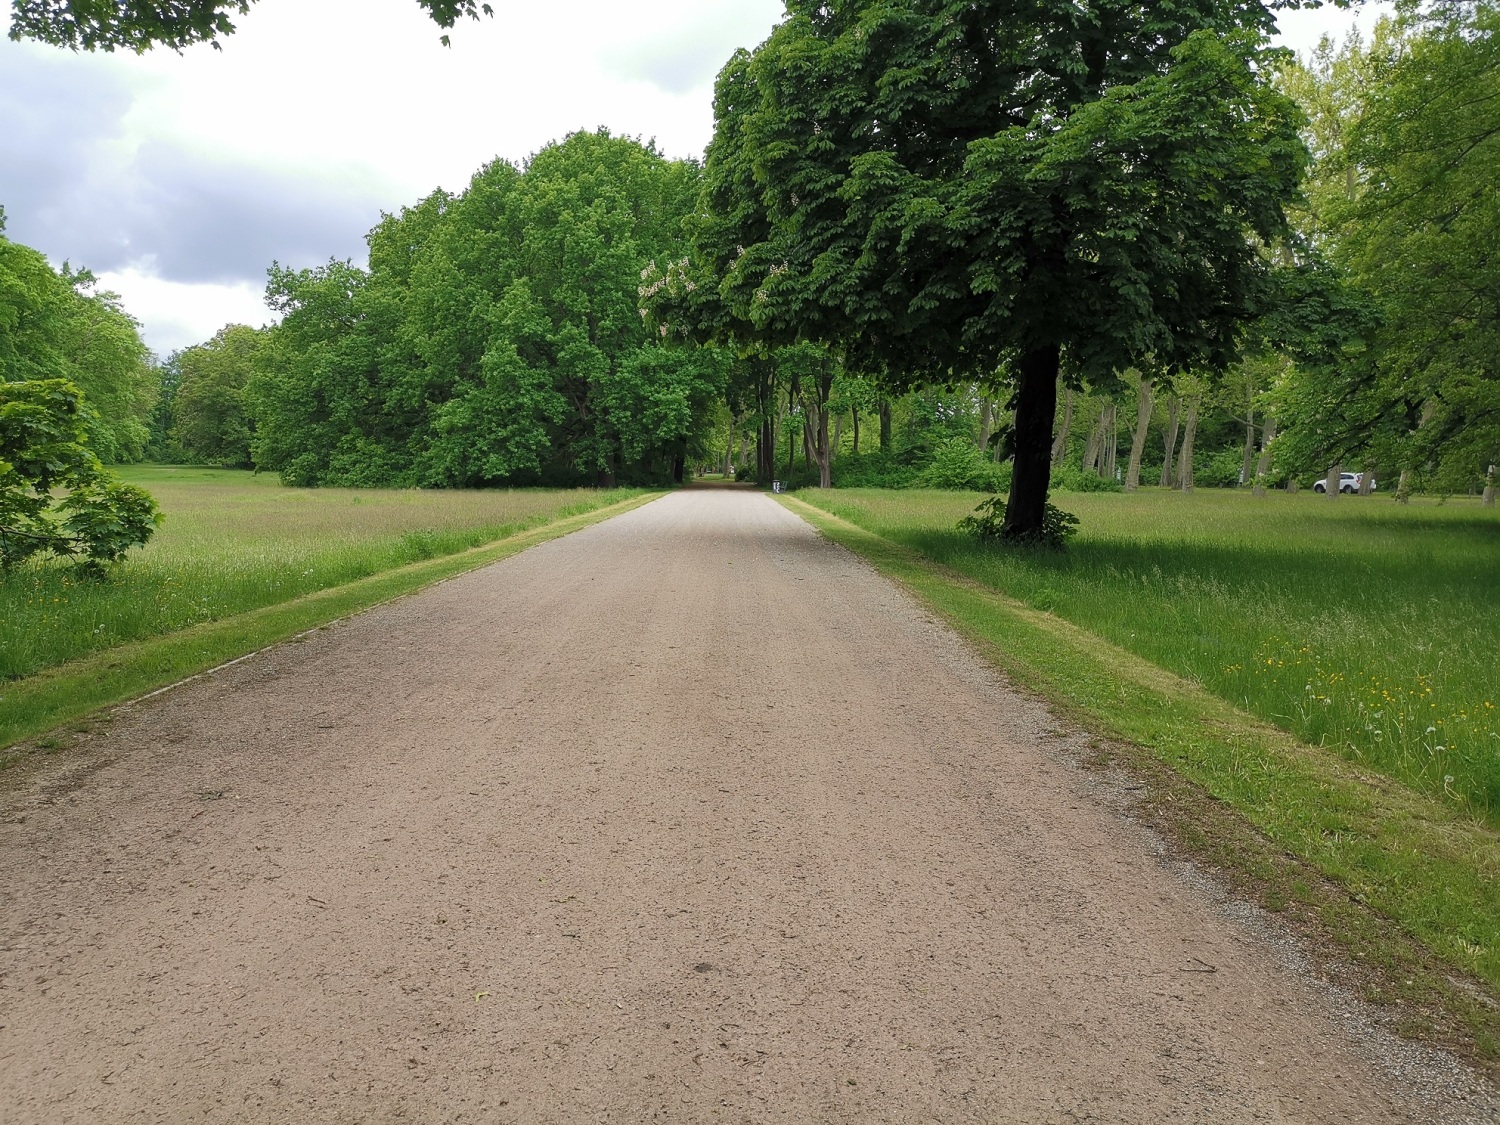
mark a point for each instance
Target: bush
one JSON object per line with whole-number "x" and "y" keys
{"x": 988, "y": 523}
{"x": 1219, "y": 470}
{"x": 957, "y": 464}
{"x": 43, "y": 450}
{"x": 873, "y": 470}
{"x": 1066, "y": 478}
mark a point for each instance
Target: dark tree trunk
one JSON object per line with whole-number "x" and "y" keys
{"x": 679, "y": 468}
{"x": 1036, "y": 410}
{"x": 765, "y": 439}
{"x": 856, "y": 431}
{"x": 986, "y": 423}
{"x": 885, "y": 426}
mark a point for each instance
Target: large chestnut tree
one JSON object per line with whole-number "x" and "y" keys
{"x": 947, "y": 189}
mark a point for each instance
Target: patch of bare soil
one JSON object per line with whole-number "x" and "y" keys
{"x": 688, "y": 816}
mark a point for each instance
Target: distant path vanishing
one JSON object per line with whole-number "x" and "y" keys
{"x": 688, "y": 816}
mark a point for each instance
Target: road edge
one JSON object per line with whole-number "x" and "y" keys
{"x": 1349, "y": 915}
{"x": 74, "y": 694}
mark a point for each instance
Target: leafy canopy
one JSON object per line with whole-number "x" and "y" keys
{"x": 55, "y": 325}
{"x": 43, "y": 449}
{"x": 944, "y": 185}
{"x": 496, "y": 338}
{"x": 138, "y": 25}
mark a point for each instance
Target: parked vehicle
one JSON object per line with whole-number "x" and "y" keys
{"x": 1348, "y": 482}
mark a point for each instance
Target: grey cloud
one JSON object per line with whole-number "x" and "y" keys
{"x": 202, "y": 220}
{"x": 72, "y": 187}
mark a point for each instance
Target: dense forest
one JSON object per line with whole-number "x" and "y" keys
{"x": 527, "y": 330}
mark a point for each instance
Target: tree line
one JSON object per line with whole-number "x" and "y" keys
{"x": 1075, "y": 246}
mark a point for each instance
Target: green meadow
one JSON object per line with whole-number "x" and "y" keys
{"x": 235, "y": 541}
{"x": 1356, "y": 623}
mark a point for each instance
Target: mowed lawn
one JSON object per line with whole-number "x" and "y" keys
{"x": 234, "y": 541}
{"x": 1364, "y": 625}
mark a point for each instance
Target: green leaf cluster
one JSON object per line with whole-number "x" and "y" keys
{"x": 55, "y": 325}
{"x": 138, "y": 25}
{"x": 44, "y": 451}
{"x": 1403, "y": 202}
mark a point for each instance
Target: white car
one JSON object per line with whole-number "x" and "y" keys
{"x": 1348, "y": 482}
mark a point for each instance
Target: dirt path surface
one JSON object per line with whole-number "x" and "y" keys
{"x": 688, "y": 816}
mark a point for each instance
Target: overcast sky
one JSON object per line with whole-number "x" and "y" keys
{"x": 179, "y": 178}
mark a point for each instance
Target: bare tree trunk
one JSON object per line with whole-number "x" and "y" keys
{"x": 1489, "y": 488}
{"x": 1331, "y": 481}
{"x": 1367, "y": 479}
{"x": 729, "y": 458}
{"x": 986, "y": 423}
{"x": 1094, "y": 445}
{"x": 1112, "y": 450}
{"x": 1185, "y": 463}
{"x": 1060, "y": 442}
{"x": 885, "y": 426}
{"x": 1403, "y": 486}
{"x": 1249, "y": 456}
{"x": 815, "y": 429}
{"x": 838, "y": 436}
{"x": 1145, "y": 400}
{"x": 855, "y": 415}
{"x": 1263, "y": 466}
{"x": 1174, "y": 404}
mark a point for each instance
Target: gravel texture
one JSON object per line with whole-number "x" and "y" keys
{"x": 688, "y": 816}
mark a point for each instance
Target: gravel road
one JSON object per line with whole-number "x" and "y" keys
{"x": 689, "y": 816}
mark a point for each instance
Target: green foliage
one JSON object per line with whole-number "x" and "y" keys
{"x": 948, "y": 190}
{"x": 210, "y": 423}
{"x": 1219, "y": 470}
{"x": 1407, "y": 132}
{"x": 958, "y": 464}
{"x": 54, "y": 326}
{"x": 496, "y": 338}
{"x": 987, "y": 522}
{"x": 1070, "y": 478}
{"x": 43, "y": 448}
{"x": 138, "y": 25}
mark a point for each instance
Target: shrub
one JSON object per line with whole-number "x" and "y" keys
{"x": 1066, "y": 478}
{"x": 43, "y": 448}
{"x": 959, "y": 465}
{"x": 988, "y": 522}
{"x": 1219, "y": 470}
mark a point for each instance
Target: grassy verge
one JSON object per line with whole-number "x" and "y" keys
{"x": 234, "y": 541}
{"x": 1404, "y": 889}
{"x": 1357, "y": 624}
{"x": 68, "y": 692}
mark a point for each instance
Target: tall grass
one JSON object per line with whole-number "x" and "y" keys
{"x": 1356, "y": 623}
{"x": 234, "y": 541}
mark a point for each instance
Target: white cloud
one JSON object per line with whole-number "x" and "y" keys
{"x": 1301, "y": 29}
{"x": 180, "y": 314}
